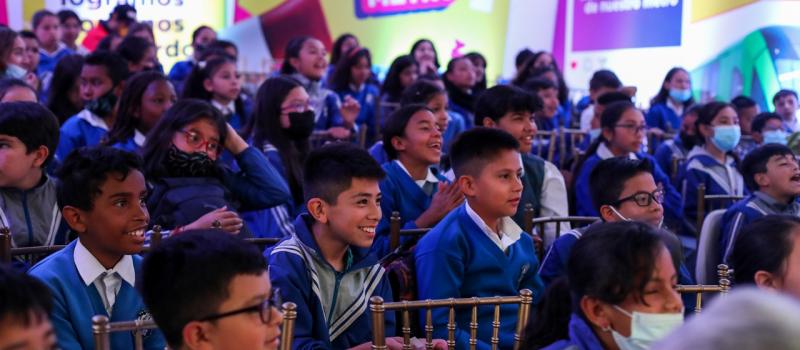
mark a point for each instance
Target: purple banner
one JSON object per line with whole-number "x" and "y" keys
{"x": 624, "y": 24}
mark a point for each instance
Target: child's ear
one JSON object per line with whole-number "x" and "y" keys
{"x": 762, "y": 180}
{"x": 608, "y": 133}
{"x": 208, "y": 85}
{"x": 74, "y": 218}
{"x": 488, "y": 122}
{"x": 398, "y": 144}
{"x": 318, "y": 210}
{"x": 41, "y": 154}
{"x": 764, "y": 279}
{"x": 467, "y": 185}
{"x": 705, "y": 130}
{"x": 194, "y": 335}
{"x": 596, "y": 312}
{"x": 607, "y": 214}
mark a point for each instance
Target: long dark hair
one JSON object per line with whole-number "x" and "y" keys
{"x": 392, "y": 87}
{"x": 529, "y": 70}
{"x": 130, "y": 106}
{"x": 435, "y": 53}
{"x": 456, "y": 94}
{"x": 293, "y": 48}
{"x": 340, "y": 80}
{"x": 65, "y": 76}
{"x": 265, "y": 127}
{"x": 7, "y": 38}
{"x": 706, "y": 115}
{"x": 159, "y": 139}
{"x": 663, "y": 93}
{"x": 195, "y": 88}
{"x": 480, "y": 85}
{"x": 763, "y": 245}
{"x": 336, "y": 51}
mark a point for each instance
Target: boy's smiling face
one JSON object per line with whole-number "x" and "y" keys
{"x": 355, "y": 215}
{"x": 519, "y": 124}
{"x": 116, "y": 223}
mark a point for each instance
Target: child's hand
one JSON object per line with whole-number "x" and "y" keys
{"x": 32, "y": 80}
{"x": 339, "y": 133}
{"x": 447, "y": 198}
{"x": 221, "y": 218}
{"x": 349, "y": 110}
{"x": 234, "y": 143}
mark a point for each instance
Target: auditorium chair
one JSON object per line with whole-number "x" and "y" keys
{"x": 711, "y": 202}
{"x": 722, "y": 287}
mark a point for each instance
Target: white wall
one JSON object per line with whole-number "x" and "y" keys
{"x": 531, "y": 24}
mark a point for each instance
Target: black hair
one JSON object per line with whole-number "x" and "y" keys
{"x": 535, "y": 85}
{"x": 27, "y": 34}
{"x": 265, "y": 127}
{"x": 456, "y": 94}
{"x": 7, "y": 38}
{"x": 128, "y": 117}
{"x": 763, "y": 245}
{"x": 395, "y": 126}
{"x": 107, "y": 43}
{"x": 330, "y": 170}
{"x": 706, "y": 115}
{"x": 663, "y": 93}
{"x": 529, "y": 70}
{"x": 208, "y": 258}
{"x": 741, "y": 102}
{"x": 480, "y": 85}
{"x": 115, "y": 65}
{"x": 39, "y": 16}
{"x": 611, "y": 97}
{"x": 133, "y": 48}
{"x": 473, "y": 149}
{"x": 760, "y": 121}
{"x": 340, "y": 79}
{"x": 198, "y": 30}
{"x": 65, "y": 14}
{"x": 223, "y": 45}
{"x": 293, "y": 48}
{"x": 159, "y": 139}
{"x": 6, "y": 84}
{"x": 391, "y": 85}
{"x": 123, "y": 13}
{"x": 336, "y": 51}
{"x": 550, "y": 322}
{"x": 420, "y": 92}
{"x": 612, "y": 261}
{"x": 65, "y": 77}
{"x": 755, "y": 162}
{"x": 84, "y": 171}
{"x": 33, "y": 124}
{"x": 522, "y": 56}
{"x": 604, "y": 78}
{"x": 783, "y": 93}
{"x": 607, "y": 180}
{"x": 142, "y": 26}
{"x": 194, "y": 86}
{"x": 499, "y": 100}
{"x": 23, "y": 298}
{"x": 435, "y": 53}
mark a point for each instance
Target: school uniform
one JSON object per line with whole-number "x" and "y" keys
{"x": 554, "y": 263}
{"x": 48, "y": 60}
{"x": 747, "y": 210}
{"x": 543, "y": 187}
{"x": 378, "y": 153}
{"x": 367, "y": 96}
{"x": 178, "y": 74}
{"x": 455, "y": 126}
{"x": 326, "y": 103}
{"x": 461, "y": 257}
{"x": 388, "y": 105}
{"x": 665, "y": 116}
{"x": 33, "y": 215}
{"x": 332, "y": 306}
{"x": 83, "y": 288}
{"x": 666, "y": 152}
{"x": 277, "y": 221}
{"x": 719, "y": 178}
{"x": 745, "y": 146}
{"x": 84, "y": 129}
{"x": 133, "y": 144}
{"x": 236, "y": 118}
{"x": 403, "y": 194}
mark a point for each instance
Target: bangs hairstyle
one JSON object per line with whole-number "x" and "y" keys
{"x": 33, "y": 124}
{"x": 208, "y": 258}
{"x": 24, "y": 300}
{"x": 340, "y": 80}
{"x": 760, "y": 121}
{"x": 330, "y": 170}
{"x": 763, "y": 245}
{"x": 500, "y": 100}
{"x": 435, "y": 53}
{"x": 395, "y": 126}
{"x": 85, "y": 171}
{"x": 420, "y": 92}
{"x": 39, "y": 16}
{"x": 612, "y": 261}
{"x": 130, "y": 105}
{"x": 706, "y": 116}
{"x": 115, "y": 65}
{"x": 756, "y": 161}
{"x": 607, "y": 180}
{"x": 391, "y": 85}
{"x": 475, "y": 148}
{"x": 159, "y": 139}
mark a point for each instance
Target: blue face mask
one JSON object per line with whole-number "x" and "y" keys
{"x": 594, "y": 134}
{"x": 726, "y": 137}
{"x": 775, "y": 136}
{"x": 680, "y": 95}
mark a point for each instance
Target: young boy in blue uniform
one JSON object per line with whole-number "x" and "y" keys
{"x": 101, "y": 195}
{"x": 101, "y": 80}
{"x": 772, "y": 173}
{"x": 28, "y": 138}
{"x": 236, "y": 308}
{"x": 25, "y": 303}
{"x": 326, "y": 268}
{"x": 478, "y": 250}
{"x": 413, "y": 187}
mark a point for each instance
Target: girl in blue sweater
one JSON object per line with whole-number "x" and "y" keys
{"x": 403, "y": 72}
{"x": 672, "y": 100}
{"x": 351, "y": 78}
{"x": 216, "y": 80}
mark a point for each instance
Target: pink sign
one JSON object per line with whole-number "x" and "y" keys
{"x": 372, "y": 8}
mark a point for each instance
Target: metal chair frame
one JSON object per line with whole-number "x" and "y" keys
{"x": 722, "y": 288}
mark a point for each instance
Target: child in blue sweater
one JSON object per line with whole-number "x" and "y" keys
{"x": 25, "y": 305}
{"x": 101, "y": 195}
{"x": 773, "y": 175}
{"x": 679, "y": 146}
{"x": 216, "y": 80}
{"x": 327, "y": 268}
{"x": 478, "y": 250}
{"x": 413, "y": 187}
{"x": 351, "y": 78}
{"x": 667, "y": 107}
{"x": 236, "y": 308}
{"x": 101, "y": 82}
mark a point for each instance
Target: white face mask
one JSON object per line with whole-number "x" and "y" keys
{"x": 15, "y": 71}
{"x": 646, "y": 329}
{"x": 660, "y": 222}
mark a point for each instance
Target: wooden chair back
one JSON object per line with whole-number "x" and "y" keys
{"x": 709, "y": 202}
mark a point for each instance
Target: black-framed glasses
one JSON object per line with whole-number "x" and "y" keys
{"x": 643, "y": 199}
{"x": 264, "y": 309}
{"x": 633, "y": 127}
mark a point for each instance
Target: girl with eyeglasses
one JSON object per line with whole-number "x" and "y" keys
{"x": 712, "y": 161}
{"x": 190, "y": 188}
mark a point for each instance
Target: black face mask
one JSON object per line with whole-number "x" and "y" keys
{"x": 103, "y": 105}
{"x": 689, "y": 141}
{"x": 184, "y": 164}
{"x": 301, "y": 125}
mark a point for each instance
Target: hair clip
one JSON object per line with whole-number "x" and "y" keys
{"x": 202, "y": 64}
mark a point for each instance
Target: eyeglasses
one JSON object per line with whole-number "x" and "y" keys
{"x": 632, "y": 127}
{"x": 264, "y": 309}
{"x": 643, "y": 199}
{"x": 195, "y": 140}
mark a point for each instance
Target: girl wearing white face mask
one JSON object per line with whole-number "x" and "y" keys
{"x": 712, "y": 161}
{"x": 675, "y": 96}
{"x": 622, "y": 284}
{"x": 12, "y": 55}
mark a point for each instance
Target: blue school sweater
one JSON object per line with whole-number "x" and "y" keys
{"x": 746, "y": 211}
{"x": 662, "y": 117}
{"x": 722, "y": 179}
{"x": 48, "y": 61}
{"x": 378, "y": 153}
{"x": 75, "y": 303}
{"x": 581, "y": 337}
{"x": 367, "y": 97}
{"x": 84, "y": 129}
{"x": 325, "y": 102}
{"x": 277, "y": 221}
{"x": 132, "y": 144}
{"x": 668, "y": 150}
{"x": 178, "y": 74}
{"x": 456, "y": 124}
{"x": 456, "y": 259}
{"x": 332, "y": 306}
{"x": 400, "y": 193}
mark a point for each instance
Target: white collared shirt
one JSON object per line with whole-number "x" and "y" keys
{"x": 677, "y": 108}
{"x": 227, "y": 109}
{"x": 138, "y": 138}
{"x": 93, "y": 119}
{"x": 604, "y": 153}
{"x": 107, "y": 282}
{"x": 428, "y": 178}
{"x": 509, "y": 230}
